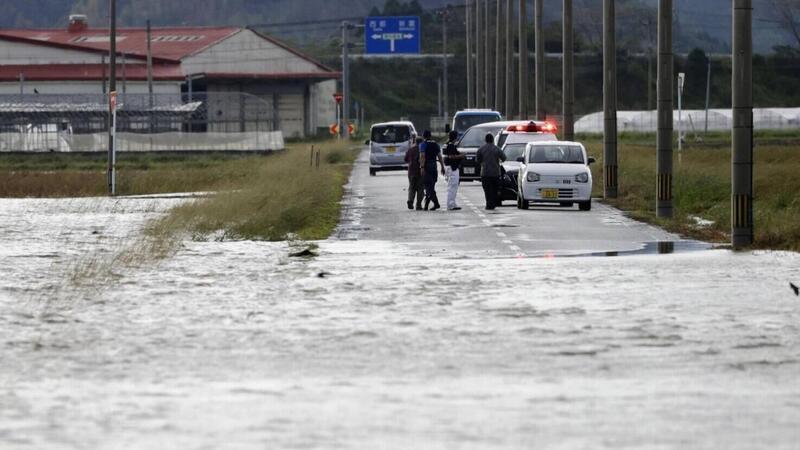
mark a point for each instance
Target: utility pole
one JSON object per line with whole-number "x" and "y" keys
{"x": 470, "y": 87}
{"x": 610, "y": 100}
{"x": 649, "y": 25}
{"x": 344, "y": 128}
{"x": 439, "y": 97}
{"x": 480, "y": 100}
{"x": 509, "y": 59}
{"x": 568, "y": 78}
{"x": 112, "y": 92}
{"x": 539, "y": 33}
{"x": 498, "y": 53}
{"x": 681, "y": 81}
{"x": 150, "y": 74}
{"x": 21, "y": 85}
{"x": 664, "y": 97}
{"x": 708, "y": 93}
{"x": 445, "y": 17}
{"x": 488, "y": 49}
{"x": 742, "y": 145}
{"x": 523, "y": 60}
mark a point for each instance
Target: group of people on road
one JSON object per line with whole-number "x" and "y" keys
{"x": 423, "y": 172}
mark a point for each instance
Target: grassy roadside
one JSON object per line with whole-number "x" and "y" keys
{"x": 269, "y": 200}
{"x": 702, "y": 186}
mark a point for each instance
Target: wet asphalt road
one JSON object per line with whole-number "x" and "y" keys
{"x": 380, "y": 211}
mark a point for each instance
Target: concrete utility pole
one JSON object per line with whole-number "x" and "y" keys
{"x": 523, "y": 60}
{"x": 480, "y": 99}
{"x": 344, "y": 129}
{"x": 609, "y": 100}
{"x": 112, "y": 91}
{"x": 509, "y": 60}
{"x": 445, "y": 17}
{"x": 470, "y": 87}
{"x": 498, "y": 65}
{"x": 742, "y": 146}
{"x": 150, "y": 74}
{"x": 488, "y": 51}
{"x": 568, "y": 77}
{"x": 708, "y": 94}
{"x": 664, "y": 98}
{"x": 539, "y": 33}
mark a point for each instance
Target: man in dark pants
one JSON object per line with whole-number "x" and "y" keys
{"x": 415, "y": 187}
{"x": 490, "y": 157}
{"x": 429, "y": 153}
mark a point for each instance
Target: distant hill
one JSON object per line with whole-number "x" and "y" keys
{"x": 705, "y": 24}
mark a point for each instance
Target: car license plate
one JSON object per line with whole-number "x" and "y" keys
{"x": 391, "y": 149}
{"x": 549, "y": 193}
{"x": 469, "y": 171}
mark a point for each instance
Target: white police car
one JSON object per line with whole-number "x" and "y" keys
{"x": 555, "y": 172}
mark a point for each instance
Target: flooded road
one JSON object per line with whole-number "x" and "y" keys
{"x": 397, "y": 336}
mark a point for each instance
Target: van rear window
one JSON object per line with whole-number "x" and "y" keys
{"x": 390, "y": 134}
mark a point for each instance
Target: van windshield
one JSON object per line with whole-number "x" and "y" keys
{"x": 466, "y": 121}
{"x": 390, "y": 134}
{"x": 476, "y": 136}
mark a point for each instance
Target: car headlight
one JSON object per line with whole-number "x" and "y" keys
{"x": 582, "y": 177}
{"x": 533, "y": 177}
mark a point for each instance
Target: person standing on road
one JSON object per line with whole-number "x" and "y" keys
{"x": 415, "y": 186}
{"x": 452, "y": 160}
{"x": 429, "y": 153}
{"x": 490, "y": 157}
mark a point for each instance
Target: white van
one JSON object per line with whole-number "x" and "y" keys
{"x": 388, "y": 144}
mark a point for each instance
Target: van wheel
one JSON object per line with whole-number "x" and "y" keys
{"x": 585, "y": 206}
{"x": 521, "y": 203}
{"x": 372, "y": 172}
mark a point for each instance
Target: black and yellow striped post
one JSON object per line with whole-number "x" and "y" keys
{"x": 742, "y": 133}
{"x": 664, "y": 135}
{"x": 609, "y": 100}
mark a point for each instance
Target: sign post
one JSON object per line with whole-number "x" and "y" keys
{"x": 392, "y": 35}
{"x": 337, "y": 97}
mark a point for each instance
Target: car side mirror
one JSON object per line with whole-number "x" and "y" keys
{"x": 447, "y": 128}
{"x": 592, "y": 160}
{"x": 521, "y": 159}
{"x": 366, "y": 142}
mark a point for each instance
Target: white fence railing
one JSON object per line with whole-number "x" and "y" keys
{"x": 59, "y": 141}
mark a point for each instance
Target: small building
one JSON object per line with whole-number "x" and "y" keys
{"x": 240, "y": 75}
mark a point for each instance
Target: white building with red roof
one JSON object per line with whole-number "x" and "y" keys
{"x": 208, "y": 61}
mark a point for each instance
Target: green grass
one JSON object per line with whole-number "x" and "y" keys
{"x": 281, "y": 197}
{"x": 702, "y": 188}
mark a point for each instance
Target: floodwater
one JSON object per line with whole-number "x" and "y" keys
{"x": 371, "y": 345}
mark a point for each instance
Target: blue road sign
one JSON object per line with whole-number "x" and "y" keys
{"x": 392, "y": 35}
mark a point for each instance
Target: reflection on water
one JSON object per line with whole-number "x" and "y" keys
{"x": 236, "y": 344}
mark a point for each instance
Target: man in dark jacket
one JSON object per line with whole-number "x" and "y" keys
{"x": 429, "y": 153}
{"x": 490, "y": 157}
{"x": 415, "y": 186}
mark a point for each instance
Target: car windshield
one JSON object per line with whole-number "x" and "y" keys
{"x": 514, "y": 151}
{"x": 390, "y": 134}
{"x": 556, "y": 154}
{"x": 476, "y": 136}
{"x": 466, "y": 121}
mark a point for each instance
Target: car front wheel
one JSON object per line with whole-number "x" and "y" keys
{"x": 372, "y": 172}
{"x": 585, "y": 206}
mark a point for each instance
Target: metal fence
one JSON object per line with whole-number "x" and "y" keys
{"x": 197, "y": 121}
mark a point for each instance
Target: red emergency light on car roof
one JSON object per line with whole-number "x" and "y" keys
{"x": 533, "y": 127}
